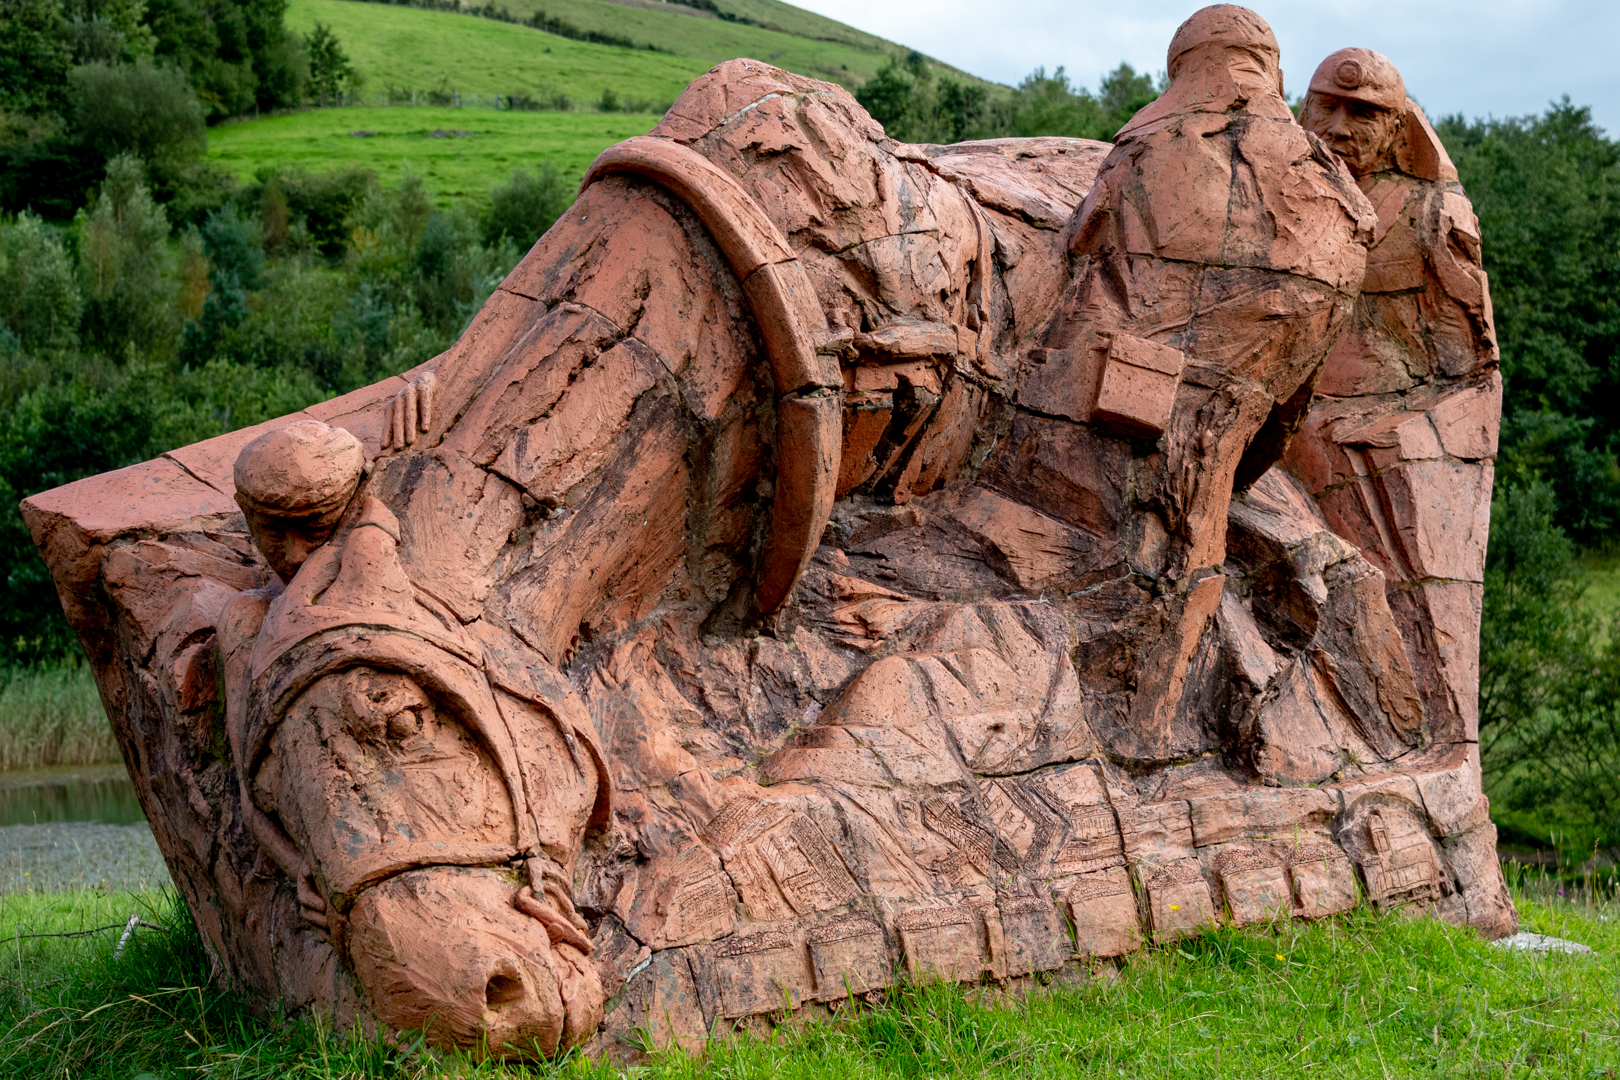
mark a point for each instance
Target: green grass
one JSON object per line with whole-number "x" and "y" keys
{"x": 686, "y": 33}
{"x": 411, "y": 48}
{"x": 401, "y": 47}
{"x": 1366, "y": 995}
{"x": 1602, "y": 579}
{"x": 53, "y": 717}
{"x": 500, "y": 142}
{"x": 404, "y": 48}
{"x": 796, "y": 20}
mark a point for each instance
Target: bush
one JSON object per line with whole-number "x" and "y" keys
{"x": 525, "y": 208}
{"x": 1051, "y": 105}
{"x": 914, "y": 104}
{"x": 122, "y": 257}
{"x": 144, "y": 109}
{"x": 1549, "y": 676}
{"x": 283, "y": 69}
{"x": 330, "y": 72}
{"x": 39, "y": 299}
{"x": 316, "y": 206}
{"x": 34, "y": 57}
{"x": 233, "y": 246}
{"x": 89, "y": 416}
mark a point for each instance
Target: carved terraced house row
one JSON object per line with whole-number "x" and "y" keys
{"x": 827, "y": 560}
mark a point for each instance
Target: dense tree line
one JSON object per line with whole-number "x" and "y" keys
{"x": 915, "y": 103}
{"x": 128, "y": 333}
{"x": 1547, "y": 191}
{"x": 82, "y": 81}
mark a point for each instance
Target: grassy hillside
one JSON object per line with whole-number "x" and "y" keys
{"x": 701, "y": 37}
{"x": 466, "y": 165}
{"x": 400, "y": 49}
{"x": 795, "y": 20}
{"x": 409, "y": 48}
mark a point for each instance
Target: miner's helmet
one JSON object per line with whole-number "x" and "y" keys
{"x": 1220, "y": 24}
{"x": 1361, "y": 75}
{"x": 300, "y": 470}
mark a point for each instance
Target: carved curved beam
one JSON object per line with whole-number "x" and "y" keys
{"x": 809, "y": 419}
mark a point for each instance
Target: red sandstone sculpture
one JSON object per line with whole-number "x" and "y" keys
{"x": 825, "y": 559}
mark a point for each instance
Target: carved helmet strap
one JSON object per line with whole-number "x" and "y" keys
{"x": 809, "y": 420}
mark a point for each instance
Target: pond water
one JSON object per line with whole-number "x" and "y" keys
{"x": 100, "y": 793}
{"x": 75, "y": 828}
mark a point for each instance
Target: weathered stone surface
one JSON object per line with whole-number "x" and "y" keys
{"x": 826, "y": 560}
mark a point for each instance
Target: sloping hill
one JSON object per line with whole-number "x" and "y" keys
{"x": 448, "y": 56}
{"x": 408, "y": 48}
{"x": 461, "y": 153}
{"x": 776, "y": 15}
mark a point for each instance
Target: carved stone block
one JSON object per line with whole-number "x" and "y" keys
{"x": 942, "y": 943}
{"x": 760, "y": 972}
{"x": 1324, "y": 881}
{"x": 1254, "y": 886}
{"x": 1034, "y": 935}
{"x": 849, "y": 955}
{"x": 1400, "y": 865}
{"x": 1138, "y": 388}
{"x": 1102, "y": 907}
{"x": 1178, "y": 900}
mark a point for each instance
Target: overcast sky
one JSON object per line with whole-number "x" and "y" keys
{"x": 1478, "y": 57}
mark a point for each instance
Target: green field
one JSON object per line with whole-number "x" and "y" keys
{"x": 455, "y": 167}
{"x": 407, "y": 48}
{"x": 403, "y": 49}
{"x": 1361, "y": 996}
{"x": 1602, "y": 581}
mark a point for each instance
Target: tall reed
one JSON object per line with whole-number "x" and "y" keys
{"x": 53, "y": 716}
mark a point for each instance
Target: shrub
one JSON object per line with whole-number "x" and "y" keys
{"x": 1050, "y": 105}
{"x": 525, "y": 208}
{"x": 233, "y": 246}
{"x": 1549, "y": 676}
{"x": 40, "y": 301}
{"x": 90, "y": 416}
{"x": 34, "y": 57}
{"x": 330, "y": 72}
{"x": 121, "y": 262}
{"x": 143, "y": 108}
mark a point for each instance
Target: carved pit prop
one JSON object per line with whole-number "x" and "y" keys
{"x": 826, "y": 560}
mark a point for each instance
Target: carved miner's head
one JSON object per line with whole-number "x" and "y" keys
{"x": 1232, "y": 38}
{"x": 1355, "y": 104}
{"x": 293, "y": 485}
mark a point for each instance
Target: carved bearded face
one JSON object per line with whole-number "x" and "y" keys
{"x": 1358, "y": 131}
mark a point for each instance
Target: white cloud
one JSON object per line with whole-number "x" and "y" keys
{"x": 1477, "y": 57}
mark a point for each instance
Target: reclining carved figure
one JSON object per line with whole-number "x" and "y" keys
{"x": 824, "y": 558}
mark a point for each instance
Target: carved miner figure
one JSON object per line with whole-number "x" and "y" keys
{"x": 1399, "y": 445}
{"x": 824, "y": 560}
